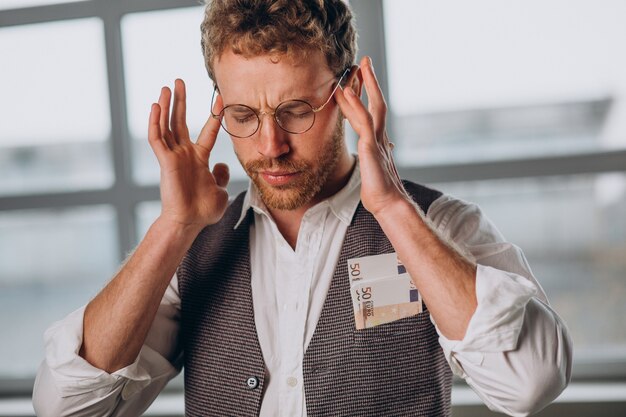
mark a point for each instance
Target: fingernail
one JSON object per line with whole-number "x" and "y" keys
{"x": 369, "y": 59}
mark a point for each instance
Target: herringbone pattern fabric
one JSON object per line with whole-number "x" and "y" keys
{"x": 396, "y": 369}
{"x": 219, "y": 336}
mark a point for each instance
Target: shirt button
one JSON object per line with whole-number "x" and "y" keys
{"x": 252, "y": 382}
{"x": 292, "y": 382}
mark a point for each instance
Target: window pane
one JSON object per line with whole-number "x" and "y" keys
{"x": 146, "y": 212}
{"x": 573, "y": 232}
{"x": 55, "y": 109}
{"x": 51, "y": 262}
{"x": 154, "y": 56}
{"x": 493, "y": 80}
{"x": 18, "y": 4}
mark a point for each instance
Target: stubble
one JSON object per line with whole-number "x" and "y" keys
{"x": 311, "y": 180}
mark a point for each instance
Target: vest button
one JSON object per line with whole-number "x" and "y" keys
{"x": 252, "y": 382}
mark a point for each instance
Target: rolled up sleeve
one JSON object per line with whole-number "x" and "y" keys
{"x": 516, "y": 353}
{"x": 68, "y": 385}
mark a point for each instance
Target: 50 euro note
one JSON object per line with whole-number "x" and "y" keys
{"x": 383, "y": 300}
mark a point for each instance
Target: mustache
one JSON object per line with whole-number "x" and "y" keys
{"x": 276, "y": 164}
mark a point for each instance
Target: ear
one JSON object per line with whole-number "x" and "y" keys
{"x": 355, "y": 79}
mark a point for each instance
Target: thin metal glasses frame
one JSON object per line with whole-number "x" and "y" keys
{"x": 258, "y": 114}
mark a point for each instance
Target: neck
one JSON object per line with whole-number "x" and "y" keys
{"x": 288, "y": 221}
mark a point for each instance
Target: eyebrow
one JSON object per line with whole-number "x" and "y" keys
{"x": 309, "y": 99}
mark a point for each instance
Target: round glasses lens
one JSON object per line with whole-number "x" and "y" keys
{"x": 240, "y": 120}
{"x": 295, "y": 116}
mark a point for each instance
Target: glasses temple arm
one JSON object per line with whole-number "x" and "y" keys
{"x": 316, "y": 109}
{"x": 213, "y": 115}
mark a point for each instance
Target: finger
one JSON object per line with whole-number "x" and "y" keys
{"x": 377, "y": 106}
{"x": 164, "y": 120}
{"x": 221, "y": 174}
{"x": 356, "y": 113}
{"x": 209, "y": 131}
{"x": 154, "y": 132}
{"x": 179, "y": 113}
{"x": 345, "y": 105}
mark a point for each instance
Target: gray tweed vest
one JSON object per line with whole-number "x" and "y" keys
{"x": 395, "y": 369}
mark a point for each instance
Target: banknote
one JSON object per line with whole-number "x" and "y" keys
{"x": 384, "y": 300}
{"x": 377, "y": 266}
{"x": 382, "y": 290}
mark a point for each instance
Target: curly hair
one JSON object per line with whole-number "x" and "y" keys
{"x": 282, "y": 27}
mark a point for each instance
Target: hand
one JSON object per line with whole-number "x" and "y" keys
{"x": 381, "y": 186}
{"x": 191, "y": 195}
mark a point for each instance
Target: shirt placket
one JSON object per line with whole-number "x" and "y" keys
{"x": 297, "y": 270}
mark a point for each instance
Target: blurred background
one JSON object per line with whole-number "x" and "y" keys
{"x": 519, "y": 106}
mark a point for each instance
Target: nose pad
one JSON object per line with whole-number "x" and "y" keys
{"x": 272, "y": 141}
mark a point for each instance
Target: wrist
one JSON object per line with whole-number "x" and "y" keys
{"x": 400, "y": 208}
{"x": 395, "y": 218}
{"x": 174, "y": 228}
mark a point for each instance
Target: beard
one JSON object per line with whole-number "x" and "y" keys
{"x": 312, "y": 176}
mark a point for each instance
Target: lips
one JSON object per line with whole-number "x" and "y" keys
{"x": 278, "y": 177}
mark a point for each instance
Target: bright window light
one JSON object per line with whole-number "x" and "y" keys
{"x": 158, "y": 48}
{"x": 51, "y": 263}
{"x": 54, "y": 108}
{"x": 54, "y": 83}
{"x": 488, "y": 80}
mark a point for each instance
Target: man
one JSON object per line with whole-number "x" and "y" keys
{"x": 259, "y": 311}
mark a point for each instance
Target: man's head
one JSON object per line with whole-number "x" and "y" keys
{"x": 263, "y": 53}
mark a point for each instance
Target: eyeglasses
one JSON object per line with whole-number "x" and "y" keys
{"x": 293, "y": 116}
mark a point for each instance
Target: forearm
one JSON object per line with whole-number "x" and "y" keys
{"x": 445, "y": 277}
{"x": 117, "y": 320}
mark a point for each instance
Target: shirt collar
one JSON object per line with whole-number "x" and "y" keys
{"x": 343, "y": 204}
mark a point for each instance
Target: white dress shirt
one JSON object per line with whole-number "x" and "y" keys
{"x": 516, "y": 353}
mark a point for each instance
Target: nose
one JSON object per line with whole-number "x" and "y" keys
{"x": 272, "y": 141}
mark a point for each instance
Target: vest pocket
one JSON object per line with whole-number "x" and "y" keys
{"x": 390, "y": 332}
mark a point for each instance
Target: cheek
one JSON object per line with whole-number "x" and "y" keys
{"x": 327, "y": 121}
{"x": 244, "y": 150}
{"x": 248, "y": 150}
{"x": 320, "y": 134}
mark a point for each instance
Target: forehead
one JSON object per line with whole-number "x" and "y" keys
{"x": 269, "y": 79}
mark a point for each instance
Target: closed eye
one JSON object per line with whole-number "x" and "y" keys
{"x": 245, "y": 118}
